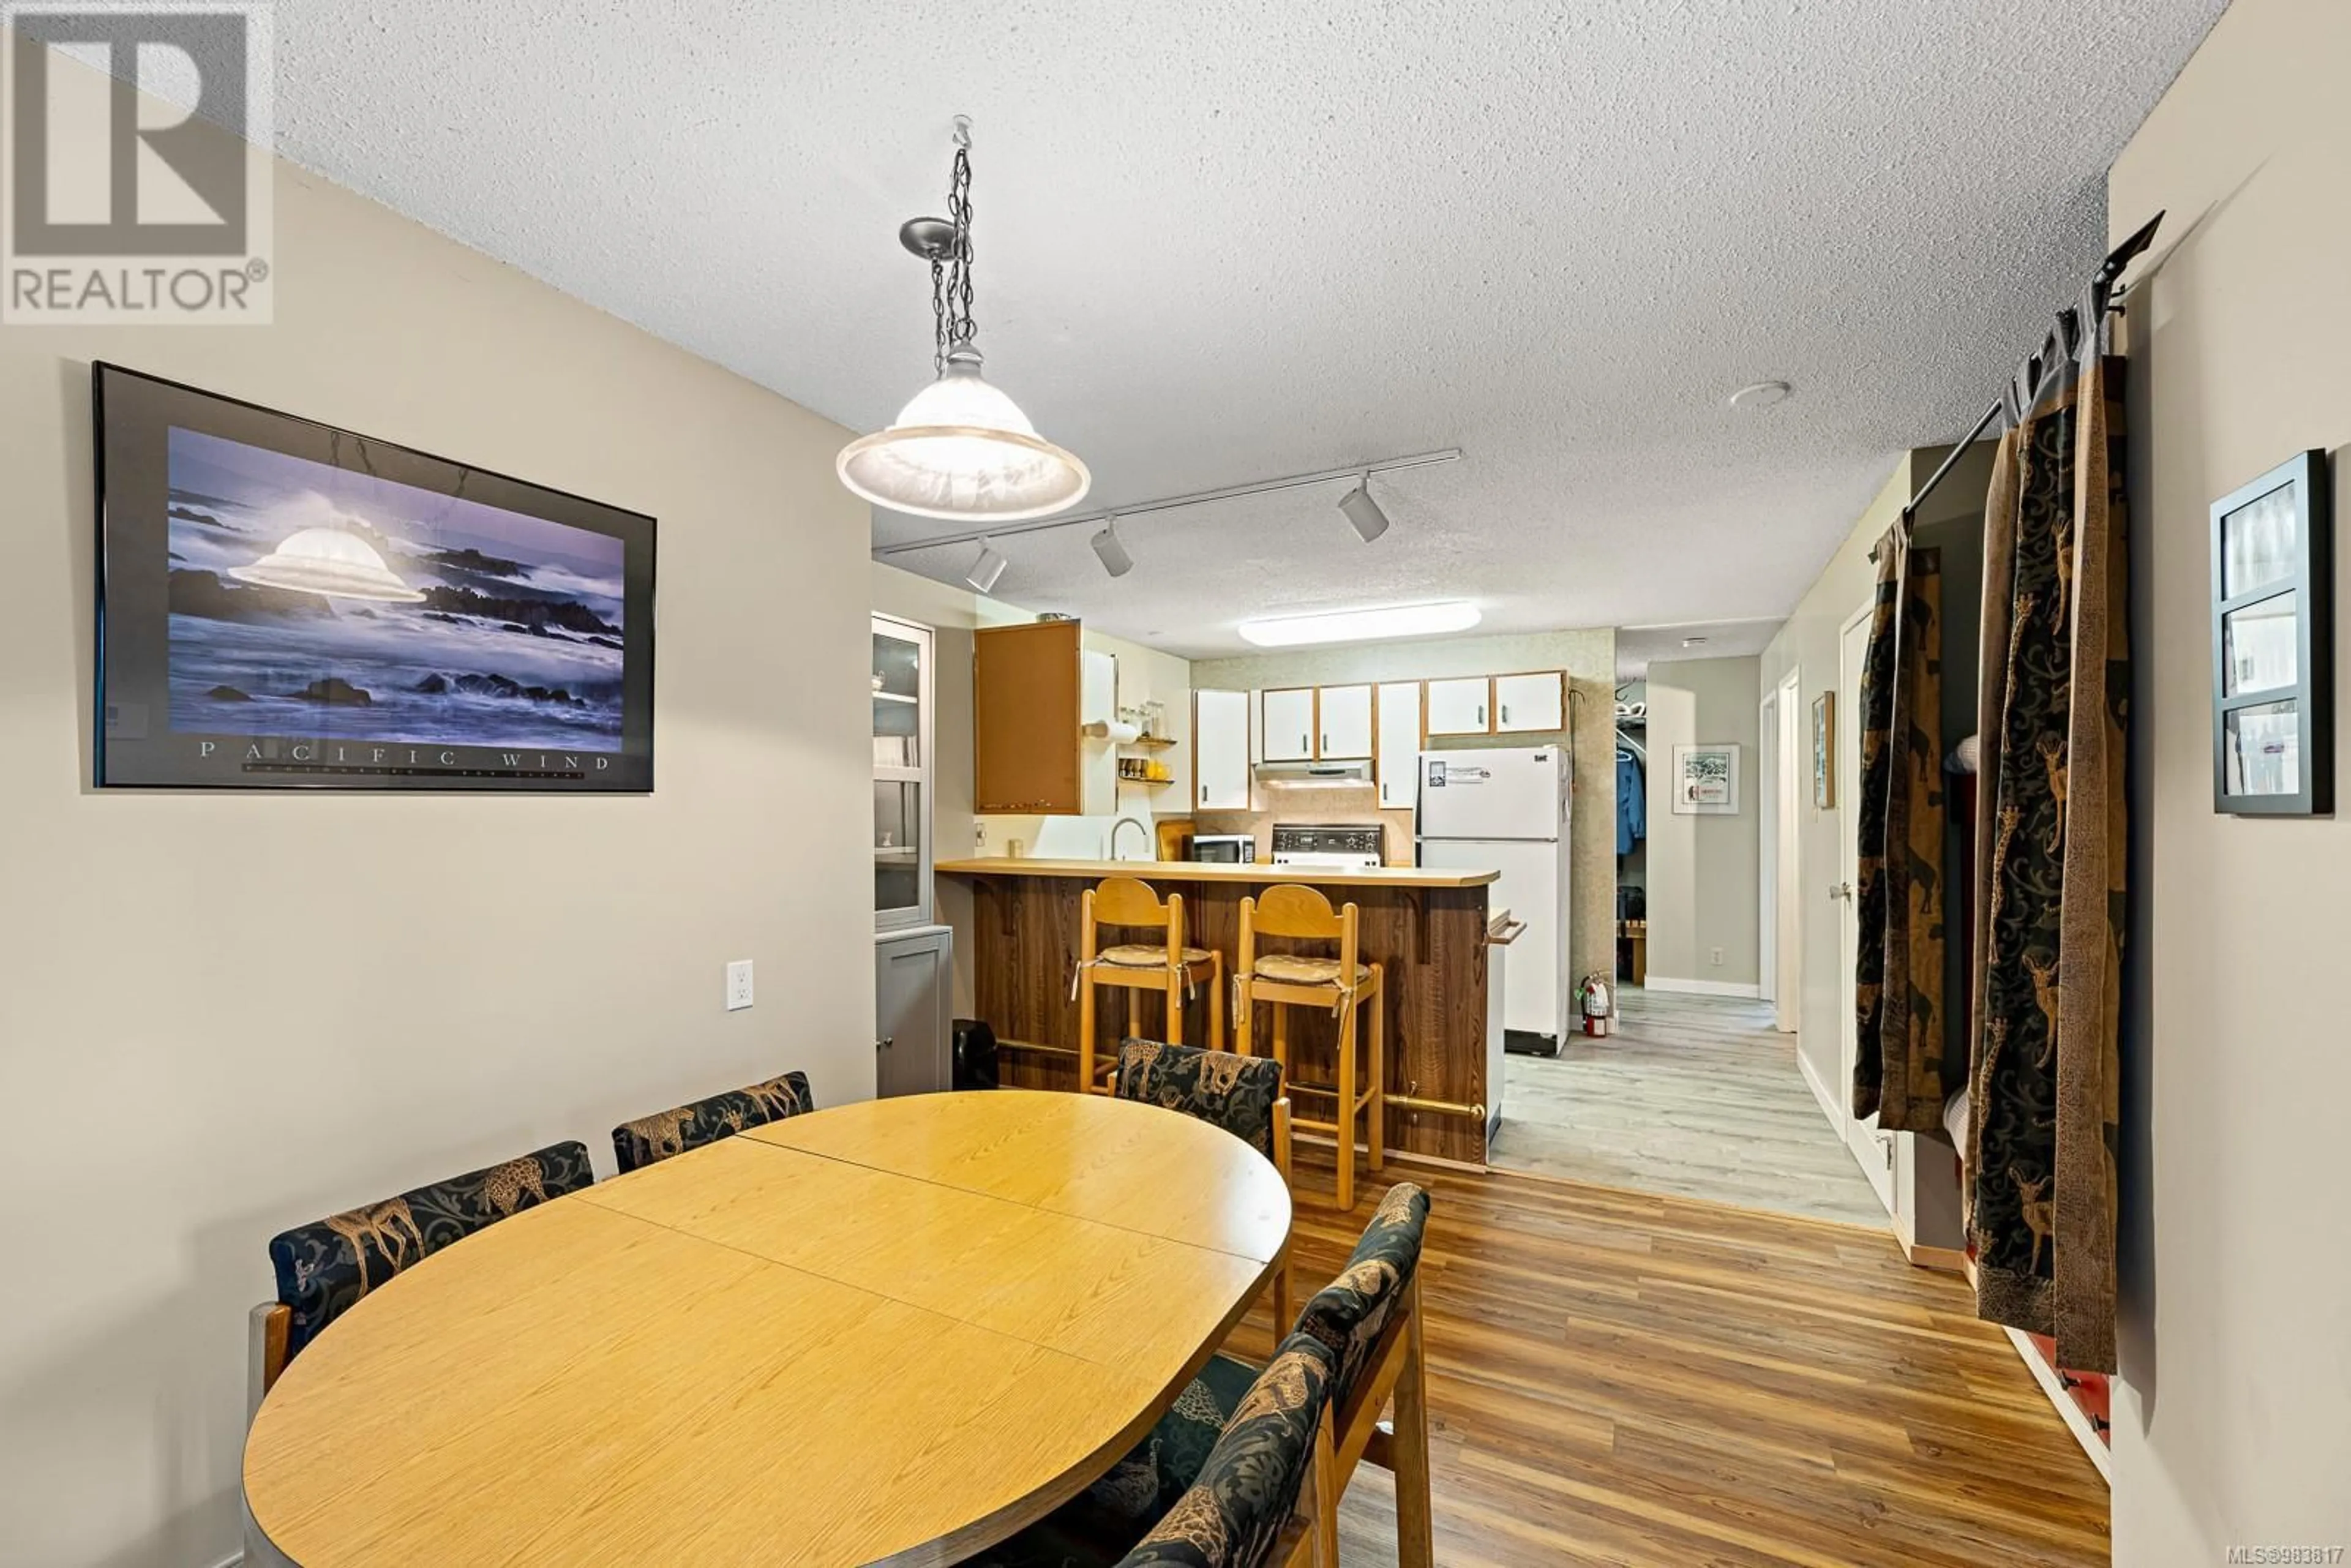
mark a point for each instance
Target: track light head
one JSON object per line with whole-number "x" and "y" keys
{"x": 1363, "y": 514}
{"x": 1111, "y": 550}
{"x": 985, "y": 567}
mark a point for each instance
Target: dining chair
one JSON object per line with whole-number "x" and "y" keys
{"x": 1247, "y": 1510}
{"x": 1242, "y": 1094}
{"x": 1242, "y": 1507}
{"x": 1171, "y": 966}
{"x": 326, "y": 1267}
{"x": 1369, "y": 1320}
{"x": 673, "y": 1132}
{"x": 1339, "y": 982}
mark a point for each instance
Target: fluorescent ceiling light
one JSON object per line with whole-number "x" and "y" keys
{"x": 1360, "y": 625}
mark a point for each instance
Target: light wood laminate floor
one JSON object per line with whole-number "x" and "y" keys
{"x": 1698, "y": 1096}
{"x": 1651, "y": 1381}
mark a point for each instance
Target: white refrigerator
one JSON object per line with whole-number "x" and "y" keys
{"x": 1507, "y": 810}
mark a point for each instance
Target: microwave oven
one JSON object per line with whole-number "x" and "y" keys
{"x": 1225, "y": 849}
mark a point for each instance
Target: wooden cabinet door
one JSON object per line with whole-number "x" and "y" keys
{"x": 1346, "y": 730}
{"x": 1461, "y": 707}
{"x": 913, "y": 1035}
{"x": 1290, "y": 725}
{"x": 1526, "y": 705}
{"x": 1220, "y": 750}
{"x": 1397, "y": 748}
{"x": 1025, "y": 719}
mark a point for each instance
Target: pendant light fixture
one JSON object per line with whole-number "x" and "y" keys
{"x": 961, "y": 449}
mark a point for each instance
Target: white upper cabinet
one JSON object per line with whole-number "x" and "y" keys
{"x": 1220, "y": 750}
{"x": 1526, "y": 705}
{"x": 1397, "y": 753}
{"x": 1346, "y": 727}
{"x": 1290, "y": 725}
{"x": 1460, "y": 706}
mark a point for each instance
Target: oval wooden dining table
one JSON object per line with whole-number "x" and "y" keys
{"x": 896, "y": 1333}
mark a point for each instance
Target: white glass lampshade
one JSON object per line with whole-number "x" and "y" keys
{"x": 961, "y": 449}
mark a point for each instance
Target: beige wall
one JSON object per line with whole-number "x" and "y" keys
{"x": 1701, "y": 870}
{"x": 1589, "y": 656}
{"x": 222, "y": 1014}
{"x": 2232, "y": 1422}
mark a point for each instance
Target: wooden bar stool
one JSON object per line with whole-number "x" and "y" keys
{"x": 1341, "y": 985}
{"x": 1169, "y": 967}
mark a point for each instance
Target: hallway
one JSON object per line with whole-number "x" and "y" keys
{"x": 1696, "y": 1097}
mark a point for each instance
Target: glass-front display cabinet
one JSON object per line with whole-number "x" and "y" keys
{"x": 902, "y": 773}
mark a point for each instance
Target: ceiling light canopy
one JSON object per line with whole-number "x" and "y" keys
{"x": 1762, "y": 395}
{"x": 1361, "y": 626}
{"x": 961, "y": 449}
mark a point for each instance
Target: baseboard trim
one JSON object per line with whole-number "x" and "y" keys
{"x": 1828, "y": 1102}
{"x": 1750, "y": 990}
{"x": 1948, "y": 1258}
{"x": 2076, "y": 1422}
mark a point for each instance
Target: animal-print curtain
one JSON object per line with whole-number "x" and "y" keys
{"x": 2043, "y": 1081}
{"x": 1898, "y": 1072}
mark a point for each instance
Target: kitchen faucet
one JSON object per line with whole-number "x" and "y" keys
{"x": 1139, "y": 828}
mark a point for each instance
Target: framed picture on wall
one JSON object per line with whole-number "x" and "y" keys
{"x": 1825, "y": 750}
{"x": 287, "y": 605}
{"x": 2274, "y": 644}
{"x": 1706, "y": 780}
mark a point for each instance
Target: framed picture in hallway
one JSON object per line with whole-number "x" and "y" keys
{"x": 1824, "y": 748}
{"x": 1706, "y": 780}
{"x": 2274, "y": 644}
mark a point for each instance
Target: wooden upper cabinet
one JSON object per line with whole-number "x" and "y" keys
{"x": 1290, "y": 725}
{"x": 1460, "y": 706}
{"x": 1532, "y": 704}
{"x": 1025, "y": 719}
{"x": 1343, "y": 729}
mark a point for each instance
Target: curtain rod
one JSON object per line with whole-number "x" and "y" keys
{"x": 2100, "y": 292}
{"x": 1197, "y": 498}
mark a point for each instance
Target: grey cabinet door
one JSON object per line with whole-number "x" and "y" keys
{"x": 912, "y": 1030}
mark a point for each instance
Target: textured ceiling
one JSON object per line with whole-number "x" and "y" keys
{"x": 1227, "y": 241}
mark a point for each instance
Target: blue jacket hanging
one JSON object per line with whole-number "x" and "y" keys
{"x": 1632, "y": 803}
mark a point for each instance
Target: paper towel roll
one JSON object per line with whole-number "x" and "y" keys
{"x": 1113, "y": 731}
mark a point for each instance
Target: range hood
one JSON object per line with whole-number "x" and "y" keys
{"x": 1323, "y": 774}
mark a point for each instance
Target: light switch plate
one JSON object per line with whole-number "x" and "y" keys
{"x": 739, "y": 984}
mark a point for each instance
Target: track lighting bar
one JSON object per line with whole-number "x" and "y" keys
{"x": 1356, "y": 471}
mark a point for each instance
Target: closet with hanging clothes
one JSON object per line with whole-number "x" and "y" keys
{"x": 1632, "y": 833}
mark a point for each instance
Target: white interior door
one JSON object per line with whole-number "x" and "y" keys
{"x": 1786, "y": 913}
{"x": 1872, "y": 1149}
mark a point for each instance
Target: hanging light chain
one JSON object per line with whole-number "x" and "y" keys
{"x": 951, "y": 321}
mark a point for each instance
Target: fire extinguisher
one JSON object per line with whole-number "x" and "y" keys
{"x": 1594, "y": 994}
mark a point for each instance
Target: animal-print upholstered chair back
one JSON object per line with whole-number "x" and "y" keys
{"x": 327, "y": 1266}
{"x": 1235, "y": 1092}
{"x": 1234, "y": 1516}
{"x": 1350, "y": 1314}
{"x": 666, "y": 1133}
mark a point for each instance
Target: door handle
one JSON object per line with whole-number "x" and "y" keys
{"x": 1841, "y": 890}
{"x": 1506, "y": 713}
{"x": 1326, "y": 745}
{"x": 885, "y": 1043}
{"x": 1481, "y": 713}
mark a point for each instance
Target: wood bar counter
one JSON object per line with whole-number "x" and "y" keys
{"x": 1426, "y": 927}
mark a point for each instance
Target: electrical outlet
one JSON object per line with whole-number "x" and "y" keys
{"x": 739, "y": 984}
{"x": 980, "y": 835}
{"x": 1716, "y": 958}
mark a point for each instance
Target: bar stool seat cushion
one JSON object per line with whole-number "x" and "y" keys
{"x": 1291, "y": 969}
{"x": 1143, "y": 955}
